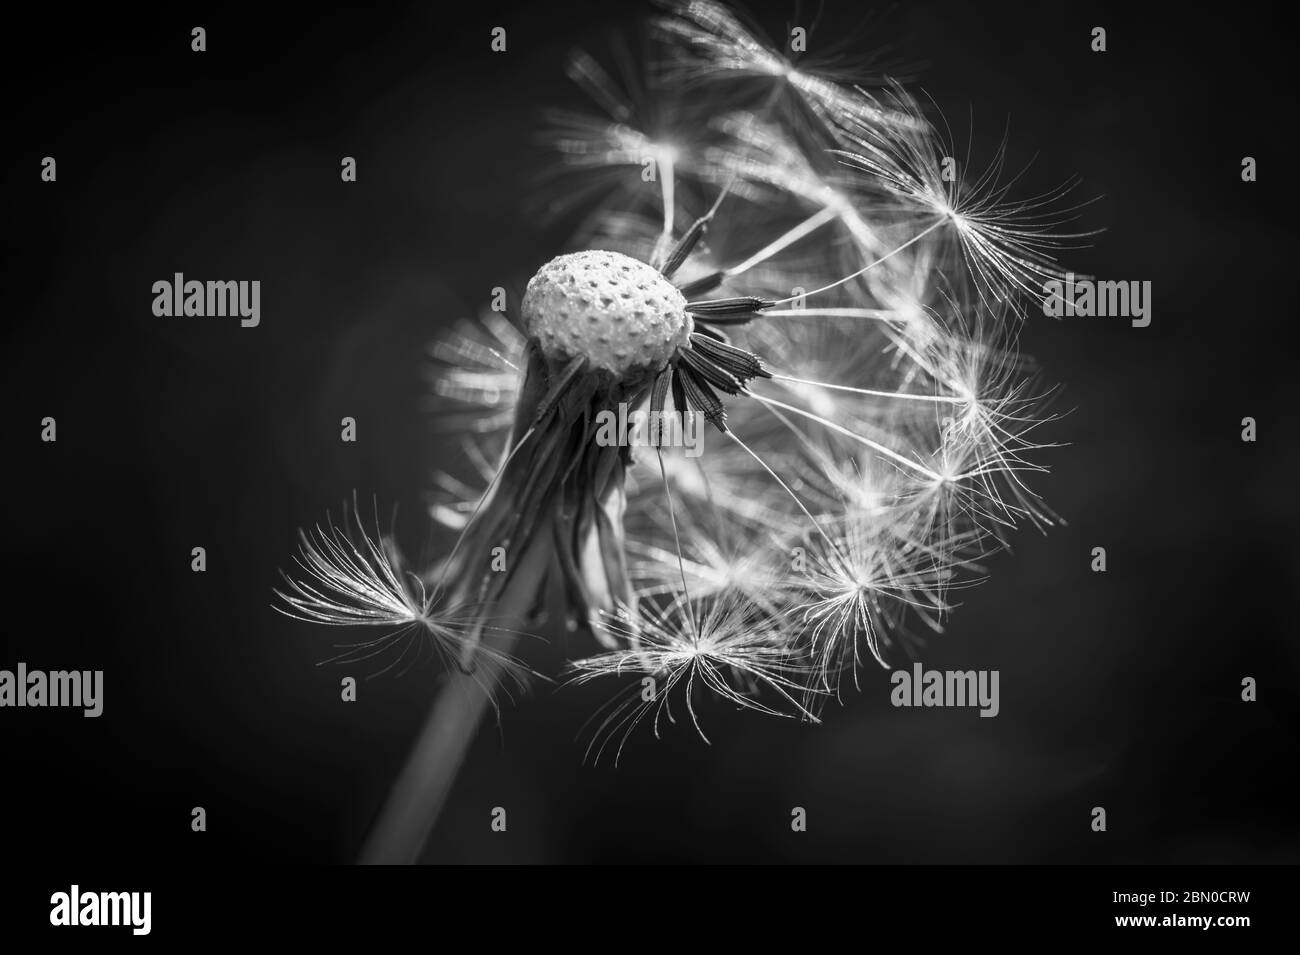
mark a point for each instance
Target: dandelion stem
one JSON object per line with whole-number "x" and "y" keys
{"x": 417, "y": 796}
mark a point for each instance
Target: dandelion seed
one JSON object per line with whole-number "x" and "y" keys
{"x": 729, "y": 649}
{"x": 352, "y": 578}
{"x": 1006, "y": 243}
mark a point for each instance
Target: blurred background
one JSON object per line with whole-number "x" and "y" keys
{"x": 1119, "y": 690}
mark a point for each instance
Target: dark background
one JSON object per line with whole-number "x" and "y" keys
{"x": 1119, "y": 690}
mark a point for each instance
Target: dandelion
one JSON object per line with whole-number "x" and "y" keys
{"x": 801, "y": 275}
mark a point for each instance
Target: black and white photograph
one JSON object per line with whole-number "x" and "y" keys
{"x": 651, "y": 432}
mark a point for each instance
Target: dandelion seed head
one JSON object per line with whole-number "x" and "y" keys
{"x": 616, "y": 312}
{"x": 778, "y": 251}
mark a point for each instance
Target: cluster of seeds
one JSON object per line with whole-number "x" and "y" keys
{"x": 618, "y": 313}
